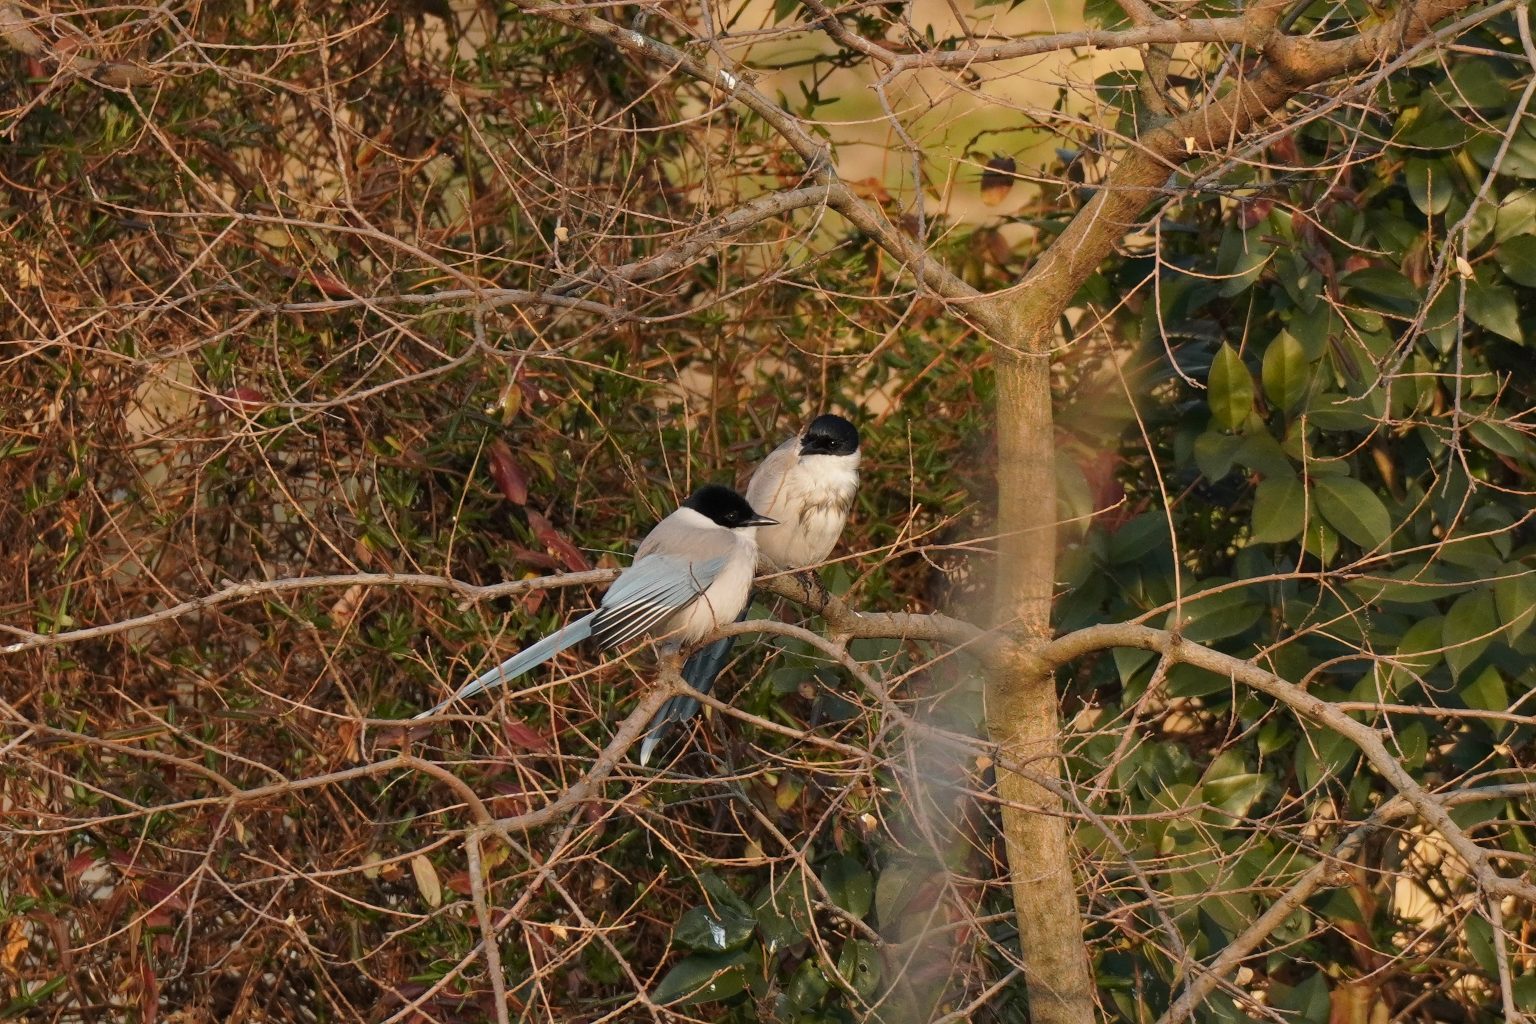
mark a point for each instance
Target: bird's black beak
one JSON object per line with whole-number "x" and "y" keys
{"x": 757, "y": 520}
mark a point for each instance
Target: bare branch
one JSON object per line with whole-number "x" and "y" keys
{"x": 17, "y": 32}
{"x": 1177, "y": 649}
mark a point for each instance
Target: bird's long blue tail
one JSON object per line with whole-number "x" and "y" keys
{"x": 522, "y": 661}
{"x": 699, "y": 671}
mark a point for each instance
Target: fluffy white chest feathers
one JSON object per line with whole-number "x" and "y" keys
{"x": 810, "y": 498}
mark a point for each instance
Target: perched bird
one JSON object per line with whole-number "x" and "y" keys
{"x": 807, "y": 484}
{"x": 692, "y": 573}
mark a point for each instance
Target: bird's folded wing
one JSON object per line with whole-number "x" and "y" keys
{"x": 651, "y": 589}
{"x": 765, "y": 491}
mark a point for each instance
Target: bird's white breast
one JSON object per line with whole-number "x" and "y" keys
{"x": 811, "y": 503}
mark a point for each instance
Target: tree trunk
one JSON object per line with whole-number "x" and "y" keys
{"x": 1023, "y": 716}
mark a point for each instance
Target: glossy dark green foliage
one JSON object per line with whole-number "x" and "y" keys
{"x": 1338, "y": 408}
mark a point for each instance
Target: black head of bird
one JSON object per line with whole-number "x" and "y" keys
{"x": 829, "y": 434}
{"x": 724, "y": 507}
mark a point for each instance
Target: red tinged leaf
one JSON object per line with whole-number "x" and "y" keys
{"x": 509, "y": 476}
{"x": 240, "y": 399}
{"x": 533, "y": 601}
{"x": 402, "y": 737}
{"x": 1108, "y": 492}
{"x": 125, "y": 862}
{"x": 570, "y": 556}
{"x": 80, "y": 863}
{"x": 1340, "y": 193}
{"x": 149, "y": 993}
{"x": 1307, "y": 232}
{"x": 521, "y": 736}
{"x": 329, "y": 286}
{"x": 166, "y": 893}
{"x": 536, "y": 560}
{"x": 870, "y": 188}
{"x": 532, "y": 393}
{"x": 1357, "y": 261}
{"x": 1254, "y": 211}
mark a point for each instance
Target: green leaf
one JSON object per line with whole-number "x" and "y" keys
{"x": 1143, "y": 535}
{"x": 1100, "y": 13}
{"x": 1285, "y": 372}
{"x": 1219, "y": 616}
{"x": 849, "y": 884}
{"x": 807, "y": 986}
{"x": 1413, "y": 745}
{"x": 1235, "y": 794}
{"x": 1515, "y": 598}
{"x": 1500, "y": 437}
{"x": 1469, "y": 629}
{"x": 860, "y": 965}
{"x": 1493, "y": 306}
{"x": 1430, "y": 185}
{"x": 1519, "y": 161}
{"x": 783, "y": 912}
{"x": 1128, "y": 661}
{"x": 1308, "y": 1001}
{"x": 704, "y": 977}
{"x": 1215, "y": 452}
{"x": 1247, "y": 268}
{"x": 1392, "y": 291}
{"x": 717, "y": 930}
{"x": 1487, "y": 693}
{"x": 1517, "y": 215}
{"x": 1353, "y": 509}
{"x": 1320, "y": 540}
{"x": 901, "y": 881}
{"x": 1338, "y": 412}
{"x": 1279, "y": 510}
{"x": 1313, "y": 328}
{"x": 1517, "y": 258}
{"x": 1261, "y": 453}
{"x": 1322, "y": 755}
{"x": 722, "y": 895}
{"x": 1474, "y": 82}
{"x": 1186, "y": 680}
{"x": 1431, "y": 126}
{"x": 1525, "y": 991}
{"x": 1231, "y": 389}
{"x": 1479, "y": 935}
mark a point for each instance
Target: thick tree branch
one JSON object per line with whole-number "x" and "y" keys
{"x": 1173, "y": 647}
{"x": 843, "y": 619}
{"x": 1250, "y": 30}
{"x": 1291, "y": 64}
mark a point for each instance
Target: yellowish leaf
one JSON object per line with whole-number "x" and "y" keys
{"x": 430, "y": 886}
